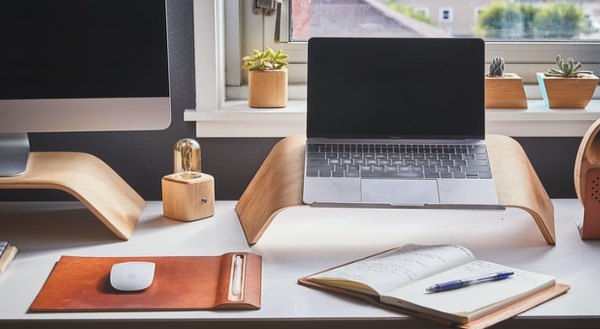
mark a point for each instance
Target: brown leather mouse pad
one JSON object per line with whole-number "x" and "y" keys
{"x": 180, "y": 283}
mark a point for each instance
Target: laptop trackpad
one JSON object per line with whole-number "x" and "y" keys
{"x": 399, "y": 192}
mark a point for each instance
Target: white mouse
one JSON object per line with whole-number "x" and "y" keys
{"x": 132, "y": 276}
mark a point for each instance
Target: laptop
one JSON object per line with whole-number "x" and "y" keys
{"x": 397, "y": 122}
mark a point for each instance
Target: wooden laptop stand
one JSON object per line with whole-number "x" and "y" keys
{"x": 278, "y": 184}
{"x": 88, "y": 179}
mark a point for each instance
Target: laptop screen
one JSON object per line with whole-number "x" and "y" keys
{"x": 396, "y": 88}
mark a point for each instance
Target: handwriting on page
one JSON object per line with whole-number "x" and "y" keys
{"x": 401, "y": 266}
{"x": 482, "y": 267}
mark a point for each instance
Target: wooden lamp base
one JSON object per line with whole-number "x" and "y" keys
{"x": 186, "y": 198}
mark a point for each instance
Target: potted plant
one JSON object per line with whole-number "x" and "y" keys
{"x": 267, "y": 78}
{"x": 503, "y": 90}
{"x": 567, "y": 86}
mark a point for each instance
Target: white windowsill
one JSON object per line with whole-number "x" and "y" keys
{"x": 236, "y": 119}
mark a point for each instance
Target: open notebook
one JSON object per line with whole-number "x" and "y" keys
{"x": 398, "y": 278}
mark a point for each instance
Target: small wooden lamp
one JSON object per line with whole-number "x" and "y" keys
{"x": 188, "y": 194}
{"x": 587, "y": 182}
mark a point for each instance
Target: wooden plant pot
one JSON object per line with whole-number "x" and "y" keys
{"x": 268, "y": 88}
{"x": 567, "y": 93}
{"x": 505, "y": 92}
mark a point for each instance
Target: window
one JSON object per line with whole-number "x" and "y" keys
{"x": 528, "y": 34}
{"x": 227, "y": 30}
{"x": 446, "y": 15}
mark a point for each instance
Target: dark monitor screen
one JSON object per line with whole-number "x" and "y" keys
{"x": 92, "y": 65}
{"x": 83, "y": 49}
{"x": 395, "y": 88}
{"x": 80, "y": 65}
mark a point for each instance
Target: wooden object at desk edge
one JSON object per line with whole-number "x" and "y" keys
{"x": 588, "y": 157}
{"x": 278, "y": 184}
{"x": 88, "y": 179}
{"x": 585, "y": 179}
{"x": 518, "y": 185}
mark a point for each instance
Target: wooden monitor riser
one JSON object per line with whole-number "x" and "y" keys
{"x": 278, "y": 184}
{"x": 88, "y": 179}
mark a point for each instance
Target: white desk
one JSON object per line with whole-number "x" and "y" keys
{"x": 300, "y": 241}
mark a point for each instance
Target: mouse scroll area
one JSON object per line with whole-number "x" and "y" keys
{"x": 132, "y": 276}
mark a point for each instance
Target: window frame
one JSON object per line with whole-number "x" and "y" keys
{"x": 523, "y": 58}
{"x": 225, "y": 30}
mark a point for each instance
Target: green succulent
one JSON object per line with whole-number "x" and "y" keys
{"x": 567, "y": 68}
{"x": 496, "y": 67}
{"x": 267, "y": 60}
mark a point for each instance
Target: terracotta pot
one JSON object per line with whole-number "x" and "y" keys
{"x": 567, "y": 93}
{"x": 505, "y": 92}
{"x": 268, "y": 88}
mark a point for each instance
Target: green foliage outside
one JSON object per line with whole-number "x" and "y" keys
{"x": 410, "y": 12}
{"x": 504, "y": 20}
{"x": 559, "y": 21}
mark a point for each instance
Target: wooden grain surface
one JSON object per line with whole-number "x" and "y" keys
{"x": 278, "y": 184}
{"x": 505, "y": 92}
{"x": 268, "y": 88}
{"x": 586, "y": 178}
{"x": 588, "y": 156}
{"x": 88, "y": 179}
{"x": 568, "y": 93}
{"x": 188, "y": 199}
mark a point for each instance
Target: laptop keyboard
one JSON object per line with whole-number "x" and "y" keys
{"x": 398, "y": 161}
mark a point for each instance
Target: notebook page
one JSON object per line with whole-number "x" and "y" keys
{"x": 400, "y": 266}
{"x": 474, "y": 300}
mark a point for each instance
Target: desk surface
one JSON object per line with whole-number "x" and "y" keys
{"x": 301, "y": 241}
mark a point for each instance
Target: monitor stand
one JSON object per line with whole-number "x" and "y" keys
{"x": 84, "y": 176}
{"x": 14, "y": 149}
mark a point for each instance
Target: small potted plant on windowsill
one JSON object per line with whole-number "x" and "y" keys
{"x": 267, "y": 78}
{"x": 567, "y": 86}
{"x": 503, "y": 90}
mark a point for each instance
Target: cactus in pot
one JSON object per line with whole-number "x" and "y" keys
{"x": 567, "y": 86}
{"x": 503, "y": 90}
{"x": 566, "y": 68}
{"x": 496, "y": 67}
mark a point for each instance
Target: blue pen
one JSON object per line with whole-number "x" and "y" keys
{"x": 455, "y": 284}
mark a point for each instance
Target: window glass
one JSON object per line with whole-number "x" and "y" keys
{"x": 493, "y": 20}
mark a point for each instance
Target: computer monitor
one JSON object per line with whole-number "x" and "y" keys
{"x": 72, "y": 65}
